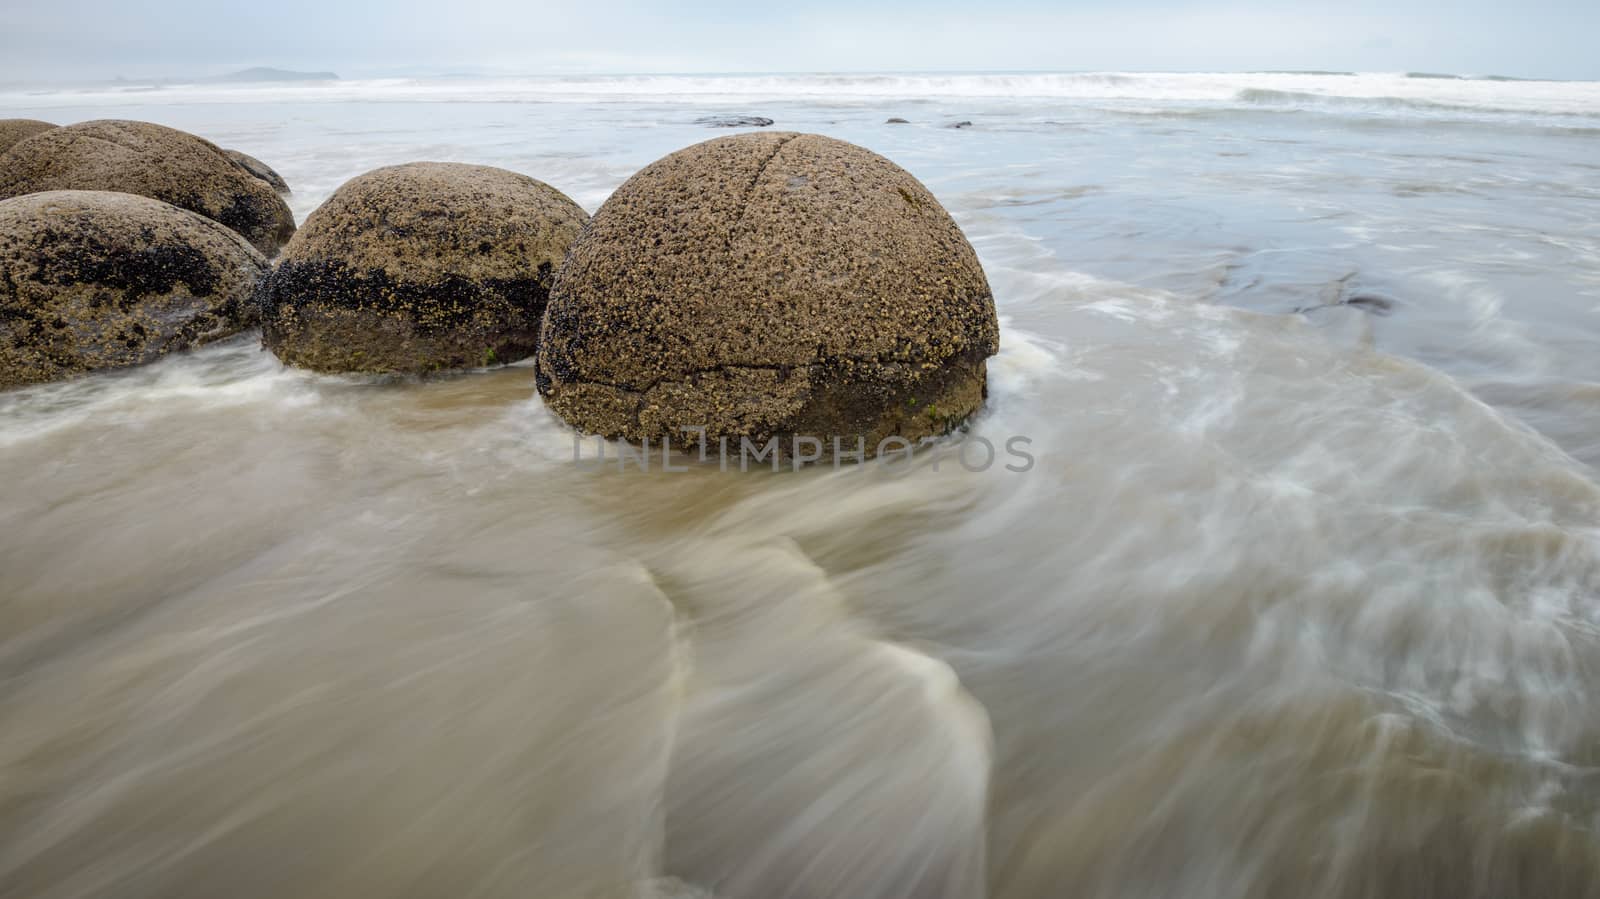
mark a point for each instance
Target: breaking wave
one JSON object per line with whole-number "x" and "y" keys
{"x": 1413, "y": 92}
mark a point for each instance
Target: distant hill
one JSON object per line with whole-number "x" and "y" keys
{"x": 261, "y": 73}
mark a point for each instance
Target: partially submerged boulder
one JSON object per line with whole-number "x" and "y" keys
{"x": 12, "y": 131}
{"x": 259, "y": 169}
{"x": 153, "y": 161}
{"x": 95, "y": 279}
{"x": 418, "y": 268}
{"x": 769, "y": 285}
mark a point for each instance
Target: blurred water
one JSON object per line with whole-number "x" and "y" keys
{"x": 1300, "y": 596}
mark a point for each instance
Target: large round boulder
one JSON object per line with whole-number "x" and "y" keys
{"x": 769, "y": 285}
{"x": 95, "y": 279}
{"x": 418, "y": 268}
{"x": 258, "y": 170}
{"x": 152, "y": 161}
{"x": 12, "y": 131}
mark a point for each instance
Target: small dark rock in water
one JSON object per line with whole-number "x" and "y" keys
{"x": 92, "y": 280}
{"x": 417, "y": 268}
{"x": 769, "y": 286}
{"x": 959, "y": 125}
{"x": 259, "y": 169}
{"x": 734, "y": 121}
{"x": 152, "y": 161}
{"x": 13, "y": 131}
{"x": 1372, "y": 303}
{"x": 897, "y": 121}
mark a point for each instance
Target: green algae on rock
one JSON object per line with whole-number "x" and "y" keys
{"x": 417, "y": 268}
{"x": 91, "y": 280}
{"x": 258, "y": 170}
{"x": 13, "y": 131}
{"x": 152, "y": 161}
{"x": 769, "y": 285}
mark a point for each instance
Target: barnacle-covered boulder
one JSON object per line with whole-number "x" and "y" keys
{"x": 92, "y": 280}
{"x": 769, "y": 285}
{"x": 419, "y": 268}
{"x": 13, "y": 131}
{"x": 152, "y": 161}
{"x": 259, "y": 170}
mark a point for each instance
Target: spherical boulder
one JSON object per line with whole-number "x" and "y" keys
{"x": 95, "y": 279}
{"x": 12, "y": 131}
{"x": 259, "y": 170}
{"x": 152, "y": 161}
{"x": 418, "y": 268}
{"x": 769, "y": 286}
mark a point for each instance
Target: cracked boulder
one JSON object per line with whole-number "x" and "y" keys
{"x": 13, "y": 131}
{"x": 419, "y": 268}
{"x": 769, "y": 286}
{"x": 152, "y": 161}
{"x": 93, "y": 280}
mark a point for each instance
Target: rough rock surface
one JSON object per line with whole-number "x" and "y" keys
{"x": 95, "y": 279}
{"x": 152, "y": 161}
{"x": 259, "y": 169}
{"x": 769, "y": 285}
{"x": 418, "y": 268}
{"x": 12, "y": 131}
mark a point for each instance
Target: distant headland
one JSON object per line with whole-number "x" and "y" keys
{"x": 263, "y": 73}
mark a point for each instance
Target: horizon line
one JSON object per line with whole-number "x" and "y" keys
{"x": 219, "y": 79}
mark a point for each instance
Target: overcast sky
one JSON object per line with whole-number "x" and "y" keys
{"x": 93, "y": 39}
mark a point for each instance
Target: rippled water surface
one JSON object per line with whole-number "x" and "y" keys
{"x": 1301, "y": 595}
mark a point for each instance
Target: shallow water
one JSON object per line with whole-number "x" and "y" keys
{"x": 1301, "y": 595}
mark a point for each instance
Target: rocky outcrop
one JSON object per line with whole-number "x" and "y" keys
{"x": 734, "y": 121}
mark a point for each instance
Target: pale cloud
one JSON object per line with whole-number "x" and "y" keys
{"x": 91, "y": 39}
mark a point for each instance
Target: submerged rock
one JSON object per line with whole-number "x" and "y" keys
{"x": 259, "y": 169}
{"x": 1373, "y": 303}
{"x": 769, "y": 285}
{"x": 418, "y": 268}
{"x": 153, "y": 161}
{"x": 94, "y": 279}
{"x": 13, "y": 131}
{"x": 962, "y": 124}
{"x": 734, "y": 121}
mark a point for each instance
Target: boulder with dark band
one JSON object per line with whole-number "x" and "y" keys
{"x": 93, "y": 280}
{"x": 152, "y": 161}
{"x": 419, "y": 268}
{"x": 769, "y": 285}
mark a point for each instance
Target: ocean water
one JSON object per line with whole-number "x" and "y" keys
{"x": 1300, "y": 595}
